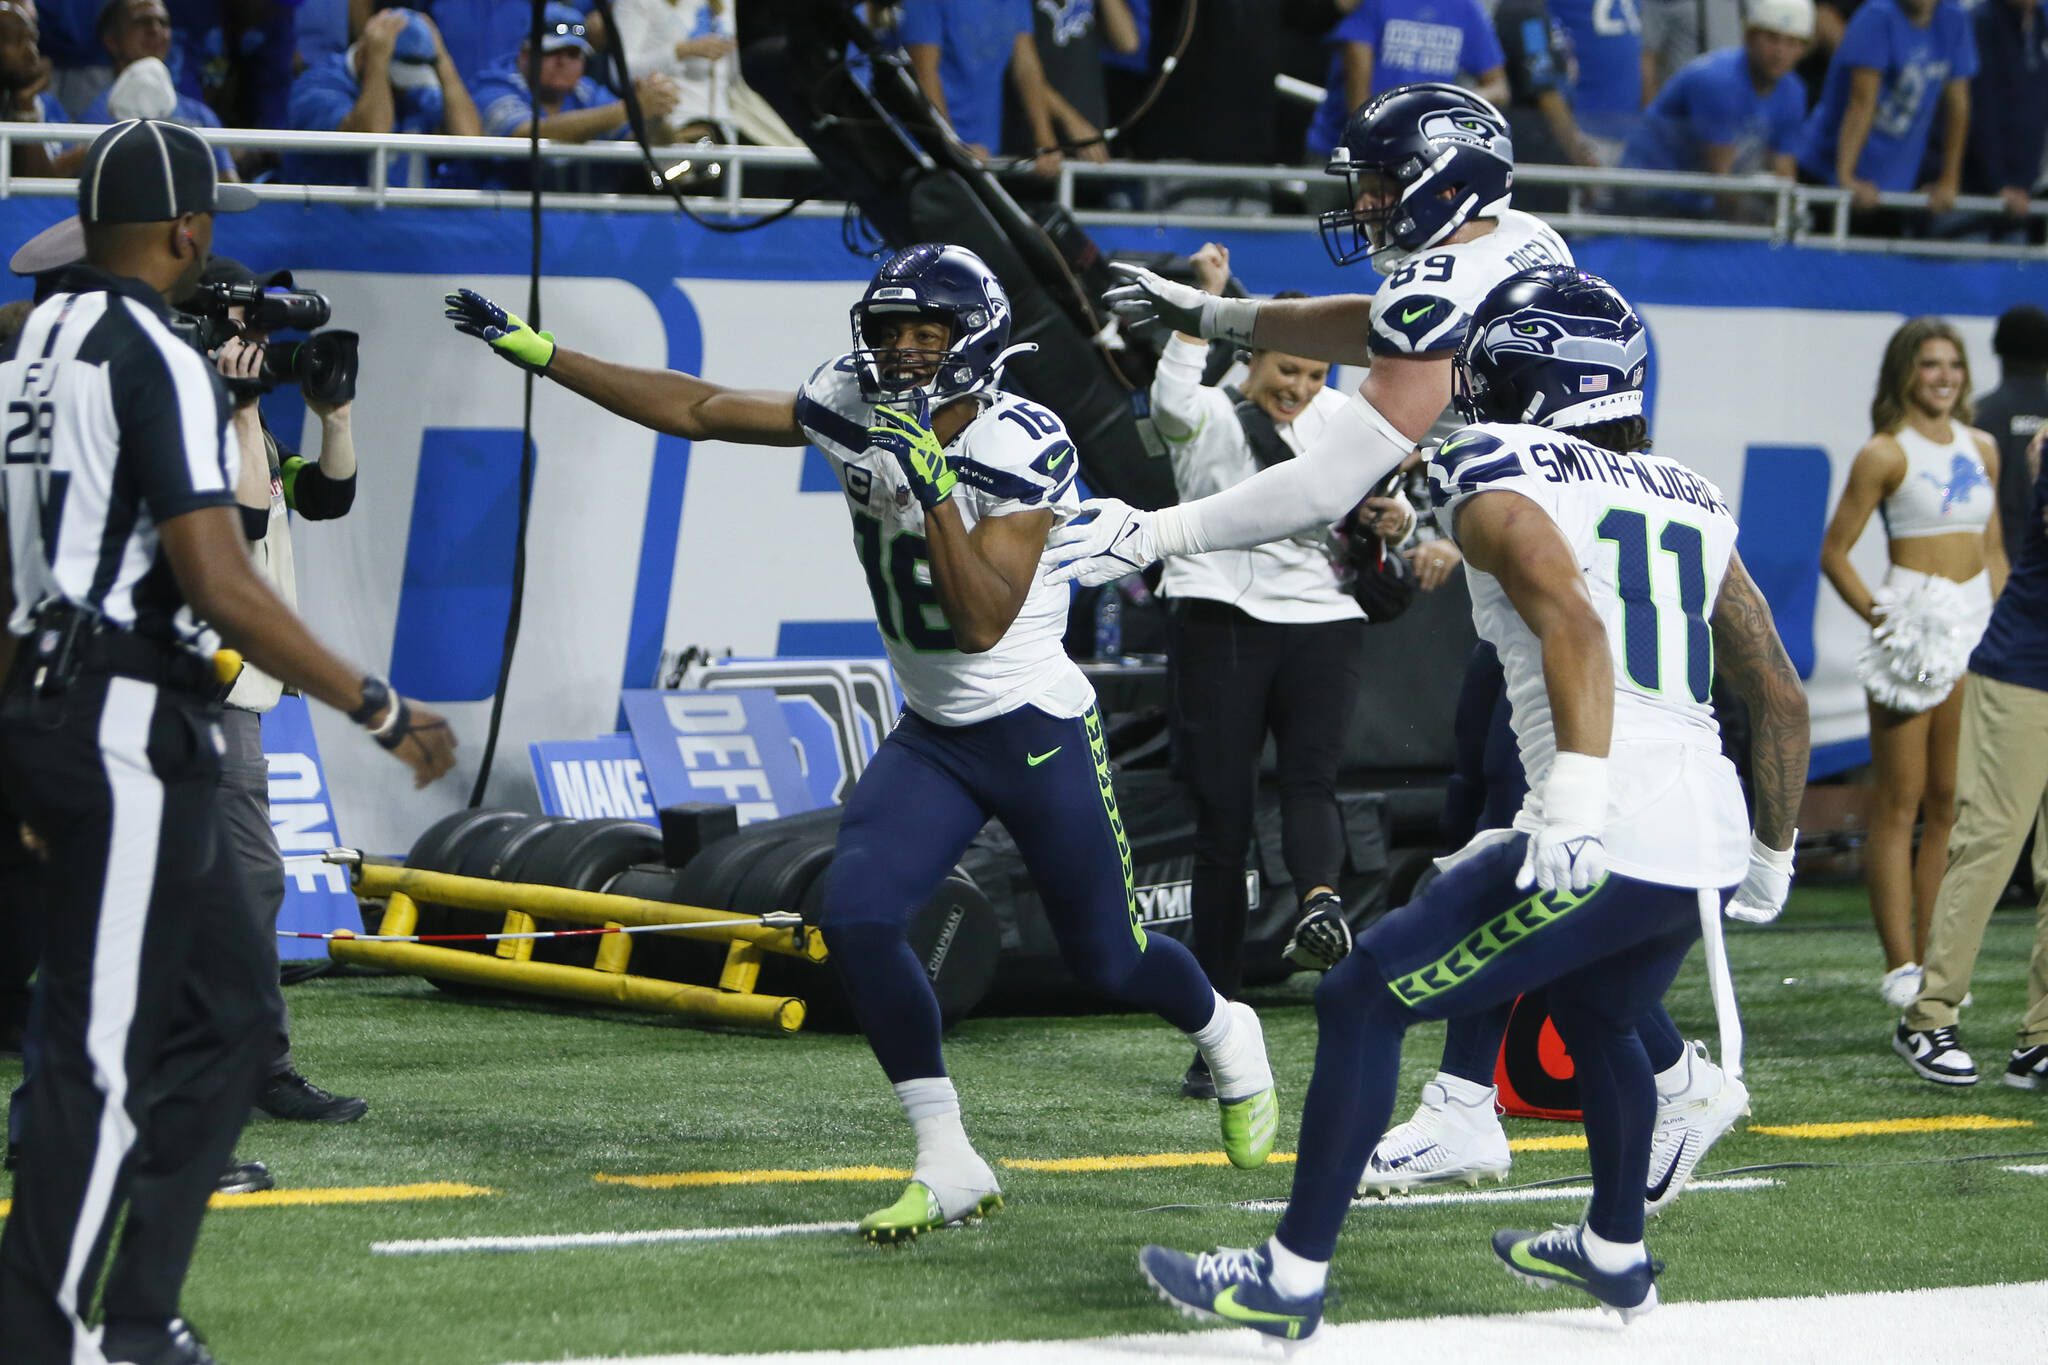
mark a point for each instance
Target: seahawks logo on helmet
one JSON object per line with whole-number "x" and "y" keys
{"x": 1586, "y": 341}
{"x": 1462, "y": 127}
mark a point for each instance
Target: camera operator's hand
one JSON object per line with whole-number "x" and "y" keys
{"x": 240, "y": 360}
{"x": 476, "y": 316}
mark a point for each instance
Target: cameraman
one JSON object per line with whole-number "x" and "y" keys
{"x": 273, "y": 483}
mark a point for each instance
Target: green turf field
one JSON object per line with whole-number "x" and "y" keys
{"x": 532, "y": 1104}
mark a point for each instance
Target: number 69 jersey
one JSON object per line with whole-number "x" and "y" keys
{"x": 1654, "y": 540}
{"x": 1013, "y": 457}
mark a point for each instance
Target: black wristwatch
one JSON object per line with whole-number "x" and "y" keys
{"x": 376, "y": 696}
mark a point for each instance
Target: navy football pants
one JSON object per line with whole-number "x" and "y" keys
{"x": 1470, "y": 942}
{"x": 1486, "y": 789}
{"x": 927, "y": 793}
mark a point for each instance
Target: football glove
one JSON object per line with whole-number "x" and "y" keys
{"x": 1566, "y": 853}
{"x": 1322, "y": 936}
{"x": 1147, "y": 302}
{"x": 1104, "y": 541}
{"x": 1762, "y": 894}
{"x": 474, "y": 315}
{"x": 908, "y": 437}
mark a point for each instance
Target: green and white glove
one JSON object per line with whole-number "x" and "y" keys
{"x": 474, "y": 315}
{"x": 908, "y": 436}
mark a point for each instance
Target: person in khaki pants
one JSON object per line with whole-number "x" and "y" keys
{"x": 2001, "y": 793}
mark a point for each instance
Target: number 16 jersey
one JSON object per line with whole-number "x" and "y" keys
{"x": 1654, "y": 540}
{"x": 1013, "y": 457}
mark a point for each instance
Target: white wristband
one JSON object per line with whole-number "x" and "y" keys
{"x": 1575, "y": 792}
{"x": 1230, "y": 319}
{"x": 1778, "y": 860}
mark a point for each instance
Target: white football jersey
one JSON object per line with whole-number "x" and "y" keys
{"x": 1425, "y": 303}
{"x": 1654, "y": 540}
{"x": 1013, "y": 457}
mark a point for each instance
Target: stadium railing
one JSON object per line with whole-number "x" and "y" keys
{"x": 1786, "y": 212}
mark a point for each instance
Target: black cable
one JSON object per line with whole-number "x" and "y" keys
{"x": 515, "y": 610}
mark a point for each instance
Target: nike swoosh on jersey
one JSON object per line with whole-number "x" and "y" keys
{"x": 1656, "y": 1191}
{"x": 1033, "y": 760}
{"x": 1227, "y": 1306}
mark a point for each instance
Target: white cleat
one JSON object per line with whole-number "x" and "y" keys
{"x": 1454, "y": 1138}
{"x": 1688, "y": 1123}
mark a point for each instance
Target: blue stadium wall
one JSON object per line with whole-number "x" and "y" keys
{"x": 1764, "y": 362}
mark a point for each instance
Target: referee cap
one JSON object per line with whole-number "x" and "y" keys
{"x": 146, "y": 171}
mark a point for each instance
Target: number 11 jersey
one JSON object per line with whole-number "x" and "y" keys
{"x": 1654, "y": 540}
{"x": 1014, "y": 457}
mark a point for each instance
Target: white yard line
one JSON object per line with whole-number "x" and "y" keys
{"x": 1548, "y": 1192}
{"x": 1991, "y": 1324}
{"x": 2028, "y": 1170}
{"x": 570, "y": 1240}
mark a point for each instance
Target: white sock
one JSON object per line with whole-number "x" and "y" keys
{"x": 1673, "y": 1079}
{"x": 933, "y": 1108}
{"x": 1295, "y": 1277}
{"x": 1465, "y": 1092}
{"x": 1216, "y": 1032}
{"x": 1235, "y": 1053}
{"x": 1611, "y": 1258}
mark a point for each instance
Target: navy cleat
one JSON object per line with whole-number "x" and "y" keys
{"x": 1557, "y": 1257}
{"x": 1229, "y": 1285}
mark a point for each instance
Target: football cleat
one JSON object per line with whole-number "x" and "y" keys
{"x": 1449, "y": 1141}
{"x": 919, "y": 1210}
{"x": 1247, "y": 1104}
{"x": 1688, "y": 1123}
{"x": 1230, "y": 1285}
{"x": 1558, "y": 1257}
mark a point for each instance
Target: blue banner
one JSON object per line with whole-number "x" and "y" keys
{"x": 593, "y": 779}
{"x": 731, "y": 748}
{"x": 317, "y": 897}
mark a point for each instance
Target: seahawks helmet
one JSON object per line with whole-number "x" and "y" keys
{"x": 954, "y": 285}
{"x": 1420, "y": 140}
{"x": 1553, "y": 346}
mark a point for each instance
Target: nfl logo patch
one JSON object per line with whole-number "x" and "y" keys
{"x": 1592, "y": 383}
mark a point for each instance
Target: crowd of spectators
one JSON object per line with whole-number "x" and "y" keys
{"x": 1932, "y": 98}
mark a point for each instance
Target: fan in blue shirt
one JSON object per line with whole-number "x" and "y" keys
{"x": 1732, "y": 112}
{"x": 1607, "y": 40}
{"x": 1897, "y": 60}
{"x": 413, "y": 88}
{"x": 959, "y": 50}
{"x": 1385, "y": 44}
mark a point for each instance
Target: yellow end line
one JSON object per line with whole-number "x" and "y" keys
{"x": 335, "y": 1194}
{"x": 689, "y": 1179}
{"x": 1949, "y": 1123}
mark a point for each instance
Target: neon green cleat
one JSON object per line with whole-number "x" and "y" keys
{"x": 1249, "y": 1127}
{"x": 919, "y": 1211}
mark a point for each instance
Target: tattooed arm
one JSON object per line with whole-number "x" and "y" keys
{"x": 1752, "y": 660}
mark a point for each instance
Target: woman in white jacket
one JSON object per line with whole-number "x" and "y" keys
{"x": 1262, "y": 640}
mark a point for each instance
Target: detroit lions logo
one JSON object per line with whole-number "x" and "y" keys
{"x": 1965, "y": 476}
{"x": 1587, "y": 341}
{"x": 1068, "y": 19}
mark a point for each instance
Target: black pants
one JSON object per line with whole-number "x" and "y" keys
{"x": 1235, "y": 679}
{"x": 150, "y": 997}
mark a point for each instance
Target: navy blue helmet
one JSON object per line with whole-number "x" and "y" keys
{"x": 1441, "y": 154}
{"x": 1553, "y": 346}
{"x": 949, "y": 283}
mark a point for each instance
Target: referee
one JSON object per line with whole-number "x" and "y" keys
{"x": 126, "y": 571}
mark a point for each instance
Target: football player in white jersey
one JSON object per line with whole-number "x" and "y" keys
{"x": 1430, "y": 169}
{"x": 952, "y": 485}
{"x": 1607, "y": 579}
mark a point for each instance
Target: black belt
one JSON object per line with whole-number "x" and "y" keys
{"x": 65, "y": 643}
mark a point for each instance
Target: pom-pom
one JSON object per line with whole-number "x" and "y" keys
{"x": 1920, "y": 645}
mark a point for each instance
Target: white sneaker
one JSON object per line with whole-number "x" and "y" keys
{"x": 1935, "y": 1054}
{"x": 1900, "y": 986}
{"x": 1689, "y": 1121}
{"x": 1455, "y": 1136}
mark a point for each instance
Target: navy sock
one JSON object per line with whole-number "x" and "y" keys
{"x": 1661, "y": 1038}
{"x": 891, "y": 996}
{"x": 1472, "y": 1044}
{"x": 1359, "y": 1027}
{"x": 1618, "y": 1095}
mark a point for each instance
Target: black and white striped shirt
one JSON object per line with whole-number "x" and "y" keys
{"x": 113, "y": 424}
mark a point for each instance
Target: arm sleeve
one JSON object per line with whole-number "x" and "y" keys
{"x": 313, "y": 494}
{"x": 1357, "y": 448}
{"x": 1178, "y": 407}
{"x": 173, "y": 418}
